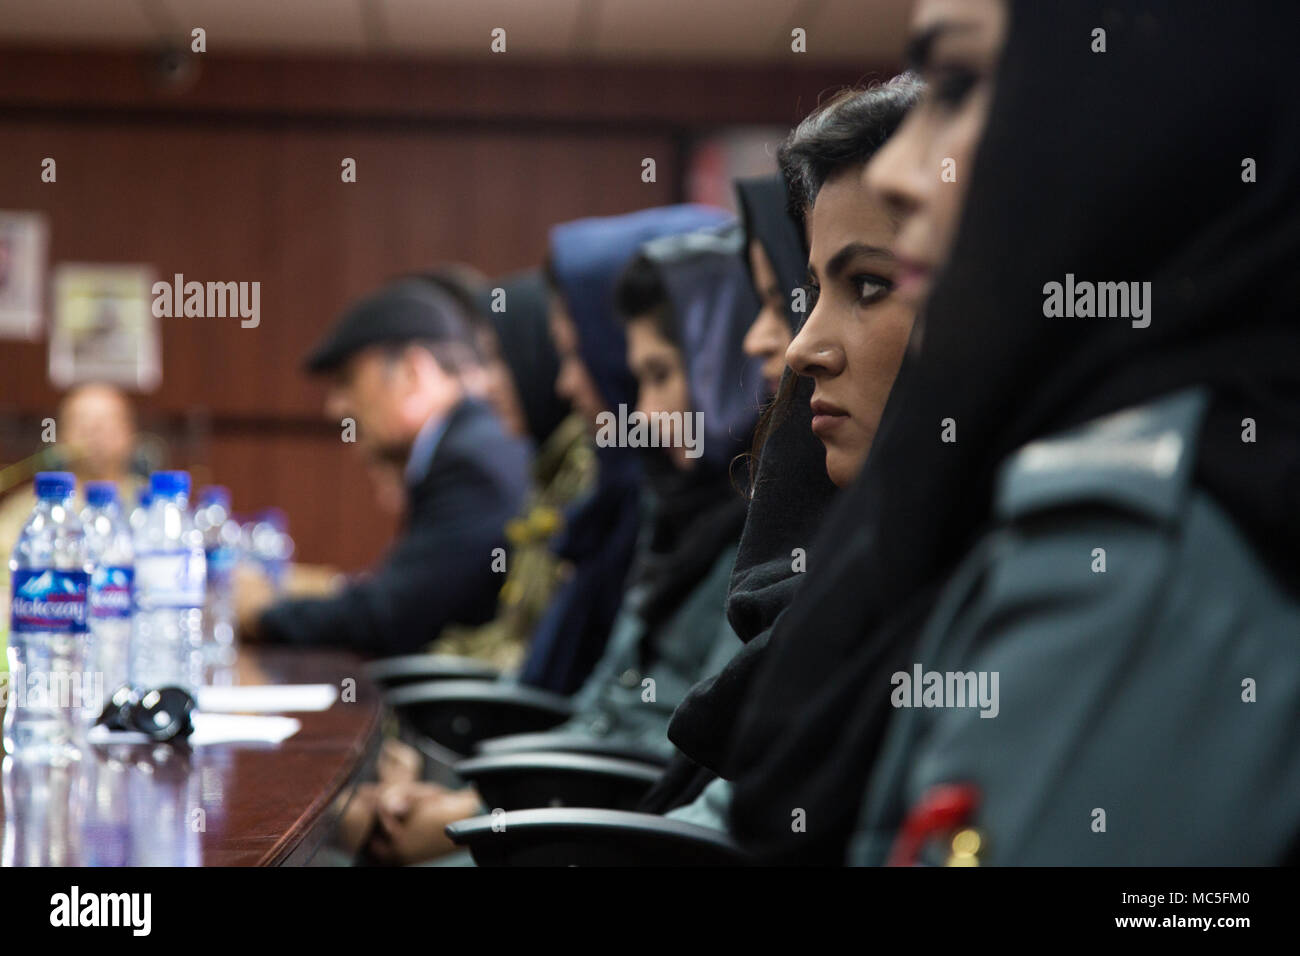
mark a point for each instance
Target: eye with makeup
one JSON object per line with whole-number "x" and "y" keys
{"x": 871, "y": 289}
{"x": 865, "y": 289}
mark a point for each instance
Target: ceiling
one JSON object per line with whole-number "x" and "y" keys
{"x": 867, "y": 31}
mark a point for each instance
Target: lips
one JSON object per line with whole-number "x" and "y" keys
{"x": 827, "y": 417}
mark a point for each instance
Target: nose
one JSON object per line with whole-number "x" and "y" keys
{"x": 814, "y": 351}
{"x": 768, "y": 336}
{"x": 897, "y": 172}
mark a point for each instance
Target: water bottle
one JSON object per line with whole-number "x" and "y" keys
{"x": 170, "y": 573}
{"x": 269, "y": 546}
{"x": 138, "y": 515}
{"x": 141, "y": 510}
{"x": 50, "y": 697}
{"x": 221, "y": 537}
{"x": 108, "y": 540}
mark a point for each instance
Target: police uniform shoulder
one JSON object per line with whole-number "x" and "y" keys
{"x": 1139, "y": 459}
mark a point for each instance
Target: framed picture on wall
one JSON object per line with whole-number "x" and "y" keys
{"x": 104, "y": 329}
{"x": 24, "y": 240}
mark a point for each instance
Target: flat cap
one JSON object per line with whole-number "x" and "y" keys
{"x": 407, "y": 310}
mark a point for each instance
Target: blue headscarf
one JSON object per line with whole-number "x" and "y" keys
{"x": 713, "y": 305}
{"x": 699, "y": 512}
{"x": 587, "y": 256}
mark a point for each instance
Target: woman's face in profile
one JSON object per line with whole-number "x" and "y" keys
{"x": 769, "y": 336}
{"x": 852, "y": 343}
{"x": 574, "y": 384}
{"x": 923, "y": 171}
{"x": 662, "y": 386}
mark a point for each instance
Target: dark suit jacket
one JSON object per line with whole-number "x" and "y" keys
{"x": 440, "y": 569}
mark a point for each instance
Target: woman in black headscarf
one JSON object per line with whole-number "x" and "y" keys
{"x": 516, "y": 375}
{"x": 777, "y": 257}
{"x": 792, "y": 489}
{"x": 1129, "y": 186}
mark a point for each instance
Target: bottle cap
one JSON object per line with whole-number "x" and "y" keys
{"x": 100, "y": 493}
{"x": 169, "y": 484}
{"x": 55, "y": 484}
{"x": 214, "y": 495}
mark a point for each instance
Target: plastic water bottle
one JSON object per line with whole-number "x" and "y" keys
{"x": 141, "y": 510}
{"x": 169, "y": 590}
{"x": 221, "y": 536}
{"x": 143, "y": 499}
{"x": 50, "y": 697}
{"x": 108, "y": 540}
{"x": 269, "y": 545}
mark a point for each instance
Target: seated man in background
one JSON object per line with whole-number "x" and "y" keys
{"x": 395, "y": 359}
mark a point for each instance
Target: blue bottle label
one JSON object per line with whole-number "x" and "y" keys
{"x": 45, "y": 599}
{"x": 110, "y": 593}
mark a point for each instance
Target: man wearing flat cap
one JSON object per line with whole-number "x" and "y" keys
{"x": 395, "y": 361}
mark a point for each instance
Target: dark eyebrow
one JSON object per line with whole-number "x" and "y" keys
{"x": 841, "y": 259}
{"x": 917, "y": 52}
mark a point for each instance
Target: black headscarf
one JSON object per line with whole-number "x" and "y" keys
{"x": 791, "y": 492}
{"x": 526, "y": 347}
{"x": 765, "y": 208}
{"x": 1116, "y": 166}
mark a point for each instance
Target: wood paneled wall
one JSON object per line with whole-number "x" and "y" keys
{"x": 236, "y": 178}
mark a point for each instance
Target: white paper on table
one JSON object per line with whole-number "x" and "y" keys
{"x": 242, "y": 728}
{"x": 268, "y": 698}
{"x": 213, "y": 729}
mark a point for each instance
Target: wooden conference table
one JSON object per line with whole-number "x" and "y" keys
{"x": 214, "y": 805}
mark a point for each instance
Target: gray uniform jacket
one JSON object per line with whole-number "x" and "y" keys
{"x": 1147, "y": 705}
{"x": 620, "y": 700}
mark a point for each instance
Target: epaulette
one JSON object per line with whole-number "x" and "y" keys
{"x": 1139, "y": 459}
